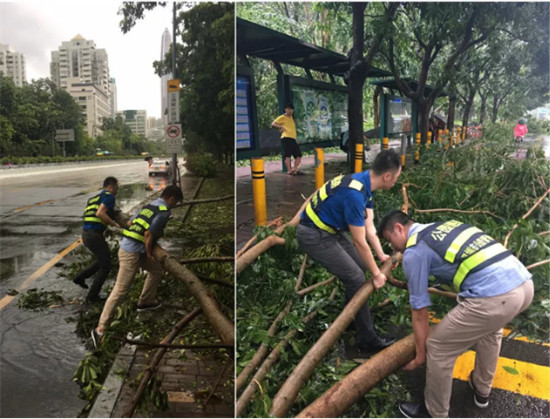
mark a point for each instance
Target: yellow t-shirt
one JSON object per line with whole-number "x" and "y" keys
{"x": 288, "y": 123}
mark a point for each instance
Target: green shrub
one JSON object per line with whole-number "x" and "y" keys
{"x": 202, "y": 164}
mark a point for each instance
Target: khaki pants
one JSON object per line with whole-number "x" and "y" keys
{"x": 129, "y": 263}
{"x": 474, "y": 323}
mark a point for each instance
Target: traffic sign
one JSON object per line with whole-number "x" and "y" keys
{"x": 173, "y": 107}
{"x": 174, "y": 85}
{"x": 64, "y": 135}
{"x": 173, "y": 132}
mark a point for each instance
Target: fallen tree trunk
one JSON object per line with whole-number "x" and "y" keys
{"x": 204, "y": 201}
{"x": 250, "y": 390}
{"x": 336, "y": 400}
{"x": 156, "y": 359}
{"x": 251, "y": 255}
{"x": 221, "y": 324}
{"x": 290, "y": 389}
{"x": 262, "y": 350}
{"x": 276, "y": 222}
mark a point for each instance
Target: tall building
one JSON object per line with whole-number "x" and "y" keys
{"x": 164, "y": 48}
{"x": 136, "y": 120}
{"x": 12, "y": 64}
{"x": 78, "y": 62}
{"x": 113, "y": 101}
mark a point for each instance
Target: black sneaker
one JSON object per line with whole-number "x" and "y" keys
{"x": 377, "y": 344}
{"x": 414, "y": 410}
{"x": 145, "y": 307}
{"x": 93, "y": 300}
{"x": 96, "y": 338}
{"x": 81, "y": 283}
{"x": 480, "y": 401}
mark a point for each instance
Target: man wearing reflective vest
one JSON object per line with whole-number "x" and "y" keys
{"x": 345, "y": 204}
{"x": 99, "y": 213}
{"x": 492, "y": 285}
{"x": 136, "y": 251}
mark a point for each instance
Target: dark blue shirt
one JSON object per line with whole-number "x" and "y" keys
{"x": 108, "y": 200}
{"x": 347, "y": 206}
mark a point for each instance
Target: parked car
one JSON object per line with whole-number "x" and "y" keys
{"x": 160, "y": 167}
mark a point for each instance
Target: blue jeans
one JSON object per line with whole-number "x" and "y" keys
{"x": 338, "y": 255}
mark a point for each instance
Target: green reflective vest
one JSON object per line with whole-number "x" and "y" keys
{"x": 328, "y": 189}
{"x": 91, "y": 208}
{"x": 140, "y": 224}
{"x": 462, "y": 244}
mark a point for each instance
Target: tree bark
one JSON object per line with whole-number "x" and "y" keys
{"x": 290, "y": 389}
{"x": 262, "y": 350}
{"x": 336, "y": 400}
{"x": 221, "y": 324}
{"x": 451, "y": 114}
{"x": 482, "y": 108}
{"x": 249, "y": 391}
{"x": 250, "y": 256}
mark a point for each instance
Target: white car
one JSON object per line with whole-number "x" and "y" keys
{"x": 160, "y": 167}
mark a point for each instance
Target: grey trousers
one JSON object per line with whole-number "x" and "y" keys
{"x": 338, "y": 255}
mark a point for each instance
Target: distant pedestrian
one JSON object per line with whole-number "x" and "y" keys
{"x": 99, "y": 213}
{"x": 136, "y": 251}
{"x": 520, "y": 130}
{"x": 493, "y": 287}
{"x": 286, "y": 124}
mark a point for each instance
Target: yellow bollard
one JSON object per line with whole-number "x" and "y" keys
{"x": 417, "y": 139}
{"x": 358, "y": 160}
{"x": 258, "y": 190}
{"x": 403, "y": 160}
{"x": 385, "y": 143}
{"x": 429, "y": 140}
{"x": 417, "y": 156}
{"x": 439, "y": 138}
{"x": 464, "y": 129}
{"x": 319, "y": 167}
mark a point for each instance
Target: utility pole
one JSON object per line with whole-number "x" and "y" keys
{"x": 174, "y": 156}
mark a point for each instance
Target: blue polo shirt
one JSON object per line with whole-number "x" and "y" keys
{"x": 157, "y": 228}
{"x": 421, "y": 261}
{"x": 347, "y": 206}
{"x": 108, "y": 200}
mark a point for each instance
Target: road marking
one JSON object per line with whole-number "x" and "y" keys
{"x": 38, "y": 204}
{"x": 531, "y": 379}
{"x": 8, "y": 298}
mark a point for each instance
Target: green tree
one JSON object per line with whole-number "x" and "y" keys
{"x": 205, "y": 68}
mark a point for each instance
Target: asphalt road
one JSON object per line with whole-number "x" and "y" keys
{"x": 40, "y": 215}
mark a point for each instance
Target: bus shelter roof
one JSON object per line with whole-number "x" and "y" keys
{"x": 258, "y": 41}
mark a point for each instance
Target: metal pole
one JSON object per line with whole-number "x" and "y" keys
{"x": 174, "y": 156}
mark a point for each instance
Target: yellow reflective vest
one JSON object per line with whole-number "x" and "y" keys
{"x": 142, "y": 222}
{"x": 462, "y": 244}
{"x": 91, "y": 208}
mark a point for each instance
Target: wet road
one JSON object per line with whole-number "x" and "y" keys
{"x": 40, "y": 215}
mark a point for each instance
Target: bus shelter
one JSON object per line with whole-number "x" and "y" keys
{"x": 320, "y": 108}
{"x": 398, "y": 114}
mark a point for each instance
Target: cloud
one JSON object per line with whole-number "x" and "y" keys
{"x": 35, "y": 29}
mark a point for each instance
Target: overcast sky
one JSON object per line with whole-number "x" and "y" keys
{"x": 36, "y": 28}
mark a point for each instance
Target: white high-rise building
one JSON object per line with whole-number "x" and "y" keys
{"x": 136, "y": 120}
{"x": 164, "y": 48}
{"x": 93, "y": 101}
{"x": 113, "y": 101}
{"x": 12, "y": 64}
{"x": 78, "y": 62}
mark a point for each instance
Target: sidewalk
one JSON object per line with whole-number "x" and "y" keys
{"x": 285, "y": 194}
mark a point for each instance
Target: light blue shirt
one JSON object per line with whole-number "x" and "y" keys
{"x": 420, "y": 261}
{"x": 157, "y": 228}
